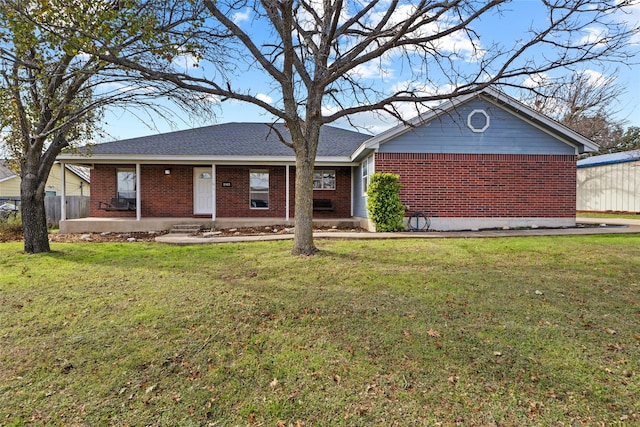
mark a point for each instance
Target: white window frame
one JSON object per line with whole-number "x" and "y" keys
{"x": 324, "y": 174}
{"x": 367, "y": 171}
{"x": 487, "y": 121}
{"x": 133, "y": 180}
{"x": 258, "y": 191}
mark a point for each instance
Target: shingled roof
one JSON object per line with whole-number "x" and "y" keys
{"x": 230, "y": 139}
{"x": 5, "y": 172}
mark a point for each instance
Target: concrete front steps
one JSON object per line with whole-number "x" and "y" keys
{"x": 185, "y": 228}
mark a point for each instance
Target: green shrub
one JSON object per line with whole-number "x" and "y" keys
{"x": 383, "y": 204}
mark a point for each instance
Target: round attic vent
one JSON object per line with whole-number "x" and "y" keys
{"x": 478, "y": 121}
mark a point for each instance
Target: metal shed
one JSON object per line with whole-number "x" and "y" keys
{"x": 610, "y": 182}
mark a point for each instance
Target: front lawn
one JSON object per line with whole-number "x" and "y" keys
{"x": 475, "y": 332}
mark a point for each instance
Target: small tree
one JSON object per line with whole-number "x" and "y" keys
{"x": 53, "y": 92}
{"x": 383, "y": 203}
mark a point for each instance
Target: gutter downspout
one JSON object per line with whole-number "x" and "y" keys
{"x": 287, "y": 195}
{"x": 213, "y": 192}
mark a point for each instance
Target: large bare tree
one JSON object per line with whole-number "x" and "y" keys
{"x": 584, "y": 101}
{"x": 313, "y": 52}
{"x": 53, "y": 91}
{"x": 324, "y": 60}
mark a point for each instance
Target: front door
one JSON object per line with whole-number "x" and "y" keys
{"x": 202, "y": 191}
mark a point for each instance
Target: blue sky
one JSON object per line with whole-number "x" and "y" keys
{"x": 121, "y": 124}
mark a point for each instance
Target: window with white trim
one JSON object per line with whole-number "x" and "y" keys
{"x": 258, "y": 189}
{"x": 126, "y": 183}
{"x": 367, "y": 170}
{"x": 324, "y": 180}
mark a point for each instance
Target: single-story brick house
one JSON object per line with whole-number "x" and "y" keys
{"x": 610, "y": 182}
{"x": 478, "y": 161}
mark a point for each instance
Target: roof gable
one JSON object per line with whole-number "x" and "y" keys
{"x": 477, "y": 127}
{"x": 452, "y": 110}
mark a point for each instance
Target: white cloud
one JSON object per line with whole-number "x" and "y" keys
{"x": 536, "y": 80}
{"x": 306, "y": 19}
{"x": 243, "y": 16}
{"x": 422, "y": 89}
{"x": 595, "y": 78}
{"x": 110, "y": 87}
{"x": 207, "y": 97}
{"x": 264, "y": 98}
{"x": 379, "y": 69}
{"x": 378, "y": 121}
{"x": 186, "y": 61}
{"x": 458, "y": 43}
{"x": 631, "y": 17}
{"x": 596, "y": 36}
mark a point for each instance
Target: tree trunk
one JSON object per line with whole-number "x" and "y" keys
{"x": 303, "y": 237}
{"x": 34, "y": 218}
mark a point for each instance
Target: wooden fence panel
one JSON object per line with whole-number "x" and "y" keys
{"x": 77, "y": 207}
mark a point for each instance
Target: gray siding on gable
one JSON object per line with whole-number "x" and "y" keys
{"x": 507, "y": 134}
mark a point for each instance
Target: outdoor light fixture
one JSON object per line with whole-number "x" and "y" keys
{"x": 167, "y": 171}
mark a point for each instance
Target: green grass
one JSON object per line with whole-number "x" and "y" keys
{"x": 477, "y": 332}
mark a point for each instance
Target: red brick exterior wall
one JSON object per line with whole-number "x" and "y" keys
{"x": 234, "y": 201}
{"x": 162, "y": 195}
{"x": 172, "y": 195}
{"x": 341, "y": 196}
{"x": 484, "y": 185}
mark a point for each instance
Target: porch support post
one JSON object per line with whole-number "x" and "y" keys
{"x": 213, "y": 192}
{"x": 138, "y": 190}
{"x": 287, "y": 196}
{"x": 353, "y": 186}
{"x": 63, "y": 196}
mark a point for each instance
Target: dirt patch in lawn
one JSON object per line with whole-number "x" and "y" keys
{"x": 16, "y": 236}
{"x": 262, "y": 231}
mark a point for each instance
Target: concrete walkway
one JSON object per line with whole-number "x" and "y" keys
{"x": 613, "y": 226}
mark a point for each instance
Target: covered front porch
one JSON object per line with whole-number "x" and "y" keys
{"x": 132, "y": 225}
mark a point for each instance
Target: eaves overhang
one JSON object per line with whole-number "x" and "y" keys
{"x": 197, "y": 160}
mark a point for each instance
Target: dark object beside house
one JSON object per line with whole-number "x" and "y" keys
{"x": 118, "y": 204}
{"x": 323, "y": 205}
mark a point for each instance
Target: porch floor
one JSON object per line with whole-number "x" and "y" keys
{"x": 131, "y": 225}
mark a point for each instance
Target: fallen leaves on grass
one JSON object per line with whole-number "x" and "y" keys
{"x": 433, "y": 333}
